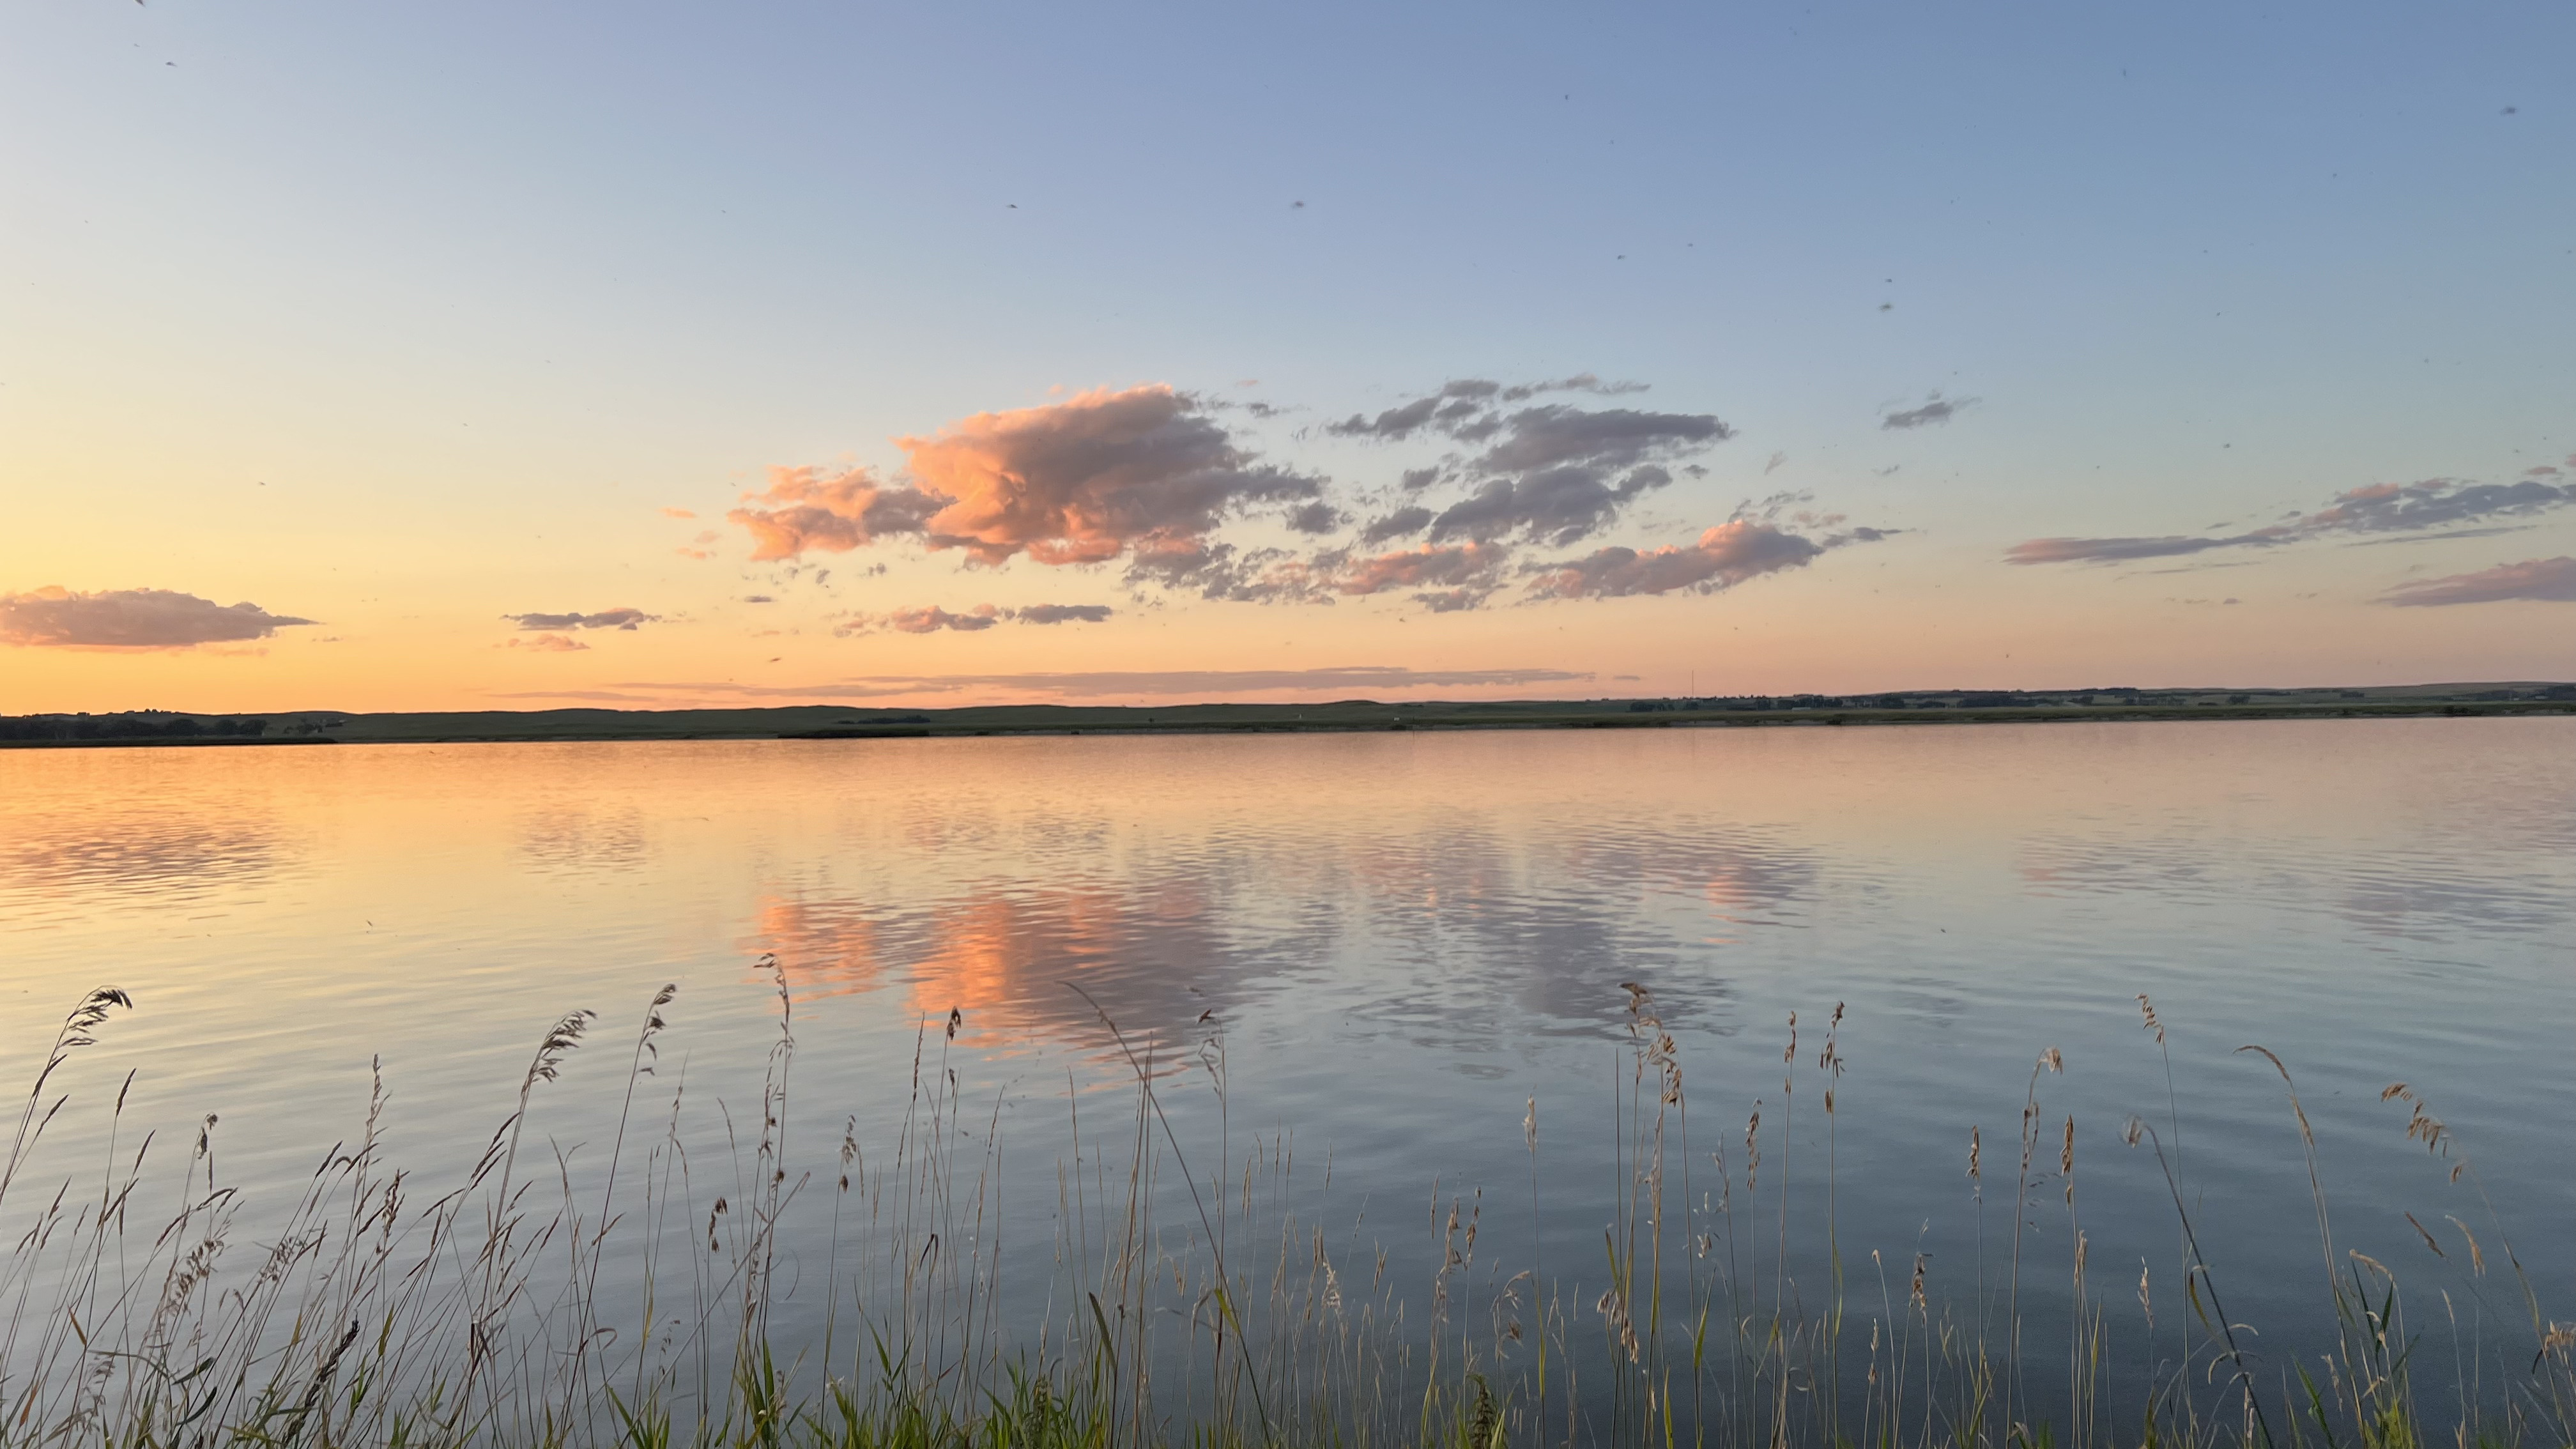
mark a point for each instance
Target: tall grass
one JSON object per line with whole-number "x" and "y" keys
{"x": 667, "y": 1297}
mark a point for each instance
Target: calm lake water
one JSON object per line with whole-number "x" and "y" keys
{"x": 1398, "y": 941}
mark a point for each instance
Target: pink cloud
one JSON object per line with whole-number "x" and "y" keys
{"x": 2548, "y": 579}
{"x": 548, "y": 644}
{"x": 677, "y": 513}
{"x": 1438, "y": 564}
{"x": 1082, "y": 480}
{"x": 807, "y": 509}
{"x": 932, "y": 619}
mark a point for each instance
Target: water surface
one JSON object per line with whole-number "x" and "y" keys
{"x": 1398, "y": 941}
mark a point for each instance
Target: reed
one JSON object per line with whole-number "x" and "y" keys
{"x": 1191, "y": 1293}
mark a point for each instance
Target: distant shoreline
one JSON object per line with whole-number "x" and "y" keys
{"x": 160, "y": 729}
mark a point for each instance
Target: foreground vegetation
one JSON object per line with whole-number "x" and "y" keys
{"x": 654, "y": 1301}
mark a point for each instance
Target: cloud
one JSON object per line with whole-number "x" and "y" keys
{"x": 1085, "y": 480}
{"x": 1729, "y": 554}
{"x": 1150, "y": 476}
{"x": 1555, "y": 434}
{"x": 1554, "y": 505}
{"x": 1549, "y": 473}
{"x": 2551, "y": 579}
{"x": 1316, "y": 517}
{"x": 55, "y": 617}
{"x": 1580, "y": 382}
{"x": 1935, "y": 409}
{"x": 677, "y": 513}
{"x": 1469, "y": 566}
{"x": 807, "y": 509}
{"x": 619, "y": 618}
{"x": 1196, "y": 683}
{"x": 1402, "y": 523}
{"x": 1556, "y": 474}
{"x": 931, "y": 619}
{"x": 2384, "y": 509}
{"x": 547, "y": 644}
{"x": 2435, "y": 503}
{"x": 1453, "y": 406}
{"x": 2114, "y": 550}
{"x": 1395, "y": 423}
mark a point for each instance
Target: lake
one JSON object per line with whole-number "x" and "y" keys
{"x": 1398, "y": 953}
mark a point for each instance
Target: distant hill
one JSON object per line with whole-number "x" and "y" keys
{"x": 826, "y": 722}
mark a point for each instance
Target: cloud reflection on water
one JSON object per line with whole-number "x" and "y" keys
{"x": 2399, "y": 894}
{"x": 164, "y": 854}
{"x": 1154, "y": 958}
{"x": 1458, "y": 933}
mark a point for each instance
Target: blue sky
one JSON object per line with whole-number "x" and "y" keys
{"x": 404, "y": 318}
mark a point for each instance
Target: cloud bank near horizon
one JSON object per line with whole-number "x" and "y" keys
{"x": 1198, "y": 683}
{"x": 2551, "y": 580}
{"x": 139, "y": 619}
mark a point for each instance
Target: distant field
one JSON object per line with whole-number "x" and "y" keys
{"x": 832, "y": 722}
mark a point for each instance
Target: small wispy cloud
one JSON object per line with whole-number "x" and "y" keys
{"x": 627, "y": 619}
{"x": 1935, "y": 409}
{"x": 2377, "y": 512}
{"x": 1062, "y": 613}
{"x": 2549, "y": 579}
{"x": 1336, "y": 682}
{"x": 932, "y": 619}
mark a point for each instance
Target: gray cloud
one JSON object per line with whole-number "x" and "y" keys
{"x": 1395, "y": 423}
{"x": 56, "y": 617}
{"x": 2379, "y": 509}
{"x": 1453, "y": 406}
{"x": 1554, "y": 505}
{"x": 2550, "y": 579}
{"x": 620, "y": 618}
{"x": 1555, "y": 434}
{"x": 1580, "y": 382}
{"x": 1554, "y": 473}
{"x": 1316, "y": 517}
{"x": 1725, "y": 556}
{"x": 1062, "y": 613}
{"x": 1402, "y": 523}
{"x": 1935, "y": 409}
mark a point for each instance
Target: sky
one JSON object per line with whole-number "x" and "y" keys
{"x": 480, "y": 356}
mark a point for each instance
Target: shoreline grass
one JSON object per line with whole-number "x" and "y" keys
{"x": 664, "y": 1297}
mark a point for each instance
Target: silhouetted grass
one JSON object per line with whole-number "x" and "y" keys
{"x": 1185, "y": 1303}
